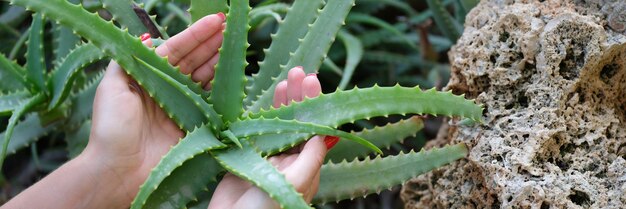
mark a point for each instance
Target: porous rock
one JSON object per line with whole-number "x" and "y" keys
{"x": 552, "y": 78}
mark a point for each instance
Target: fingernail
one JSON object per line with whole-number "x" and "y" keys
{"x": 221, "y": 15}
{"x": 312, "y": 74}
{"x": 144, "y": 37}
{"x": 299, "y": 67}
{"x": 330, "y": 141}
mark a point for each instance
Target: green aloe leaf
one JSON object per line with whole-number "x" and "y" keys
{"x": 77, "y": 139}
{"x": 371, "y": 20}
{"x": 185, "y": 107}
{"x": 179, "y": 13}
{"x": 270, "y": 144}
{"x": 160, "y": 29}
{"x": 13, "y": 16}
{"x": 82, "y": 102}
{"x": 259, "y": 13}
{"x": 185, "y": 183}
{"x": 195, "y": 143}
{"x": 229, "y": 81}
{"x": 347, "y": 106}
{"x": 359, "y": 178}
{"x": 116, "y": 43}
{"x": 63, "y": 41}
{"x": 401, "y": 5}
{"x": 122, "y": 11}
{"x": 354, "y": 51}
{"x": 26, "y": 132}
{"x": 62, "y": 78}
{"x": 12, "y": 75}
{"x": 313, "y": 48}
{"x": 19, "y": 44}
{"x": 229, "y": 135}
{"x": 382, "y": 137}
{"x": 12, "y": 101}
{"x": 468, "y": 4}
{"x": 35, "y": 65}
{"x": 261, "y": 126}
{"x": 17, "y": 113}
{"x": 249, "y": 165}
{"x": 286, "y": 40}
{"x": 444, "y": 20}
{"x": 343, "y": 107}
{"x": 201, "y": 8}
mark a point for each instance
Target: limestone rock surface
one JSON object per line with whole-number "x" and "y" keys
{"x": 552, "y": 78}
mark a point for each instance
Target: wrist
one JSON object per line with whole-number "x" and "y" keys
{"x": 116, "y": 187}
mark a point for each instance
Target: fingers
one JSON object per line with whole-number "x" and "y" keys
{"x": 201, "y": 54}
{"x": 308, "y": 197}
{"x": 294, "y": 84}
{"x": 280, "y": 94}
{"x": 228, "y": 191}
{"x": 301, "y": 170}
{"x": 115, "y": 80}
{"x": 296, "y": 87}
{"x": 311, "y": 86}
{"x": 205, "y": 73}
{"x": 182, "y": 44}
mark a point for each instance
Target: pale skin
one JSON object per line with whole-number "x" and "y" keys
{"x": 130, "y": 134}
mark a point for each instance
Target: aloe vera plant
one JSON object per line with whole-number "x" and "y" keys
{"x": 233, "y": 128}
{"x": 31, "y": 88}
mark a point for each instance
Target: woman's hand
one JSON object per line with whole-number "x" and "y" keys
{"x": 130, "y": 133}
{"x": 300, "y": 165}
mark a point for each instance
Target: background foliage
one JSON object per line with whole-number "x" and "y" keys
{"x": 384, "y": 42}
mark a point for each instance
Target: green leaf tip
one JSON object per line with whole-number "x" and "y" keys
{"x": 229, "y": 81}
{"x": 35, "y": 64}
{"x": 381, "y": 136}
{"x": 342, "y": 107}
{"x": 262, "y": 126}
{"x": 229, "y": 135}
{"x": 347, "y": 180}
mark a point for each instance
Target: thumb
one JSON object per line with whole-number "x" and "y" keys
{"x": 303, "y": 170}
{"x": 115, "y": 80}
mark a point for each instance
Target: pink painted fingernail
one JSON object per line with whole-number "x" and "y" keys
{"x": 144, "y": 37}
{"x": 300, "y": 67}
{"x": 312, "y": 74}
{"x": 222, "y": 16}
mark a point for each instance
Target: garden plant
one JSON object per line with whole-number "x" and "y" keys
{"x": 233, "y": 127}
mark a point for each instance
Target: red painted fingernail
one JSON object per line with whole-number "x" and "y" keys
{"x": 144, "y": 37}
{"x": 312, "y": 74}
{"x": 221, "y": 15}
{"x": 330, "y": 141}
